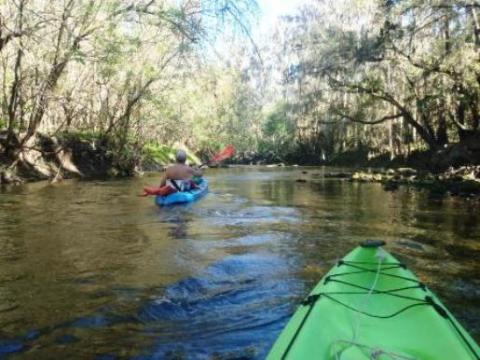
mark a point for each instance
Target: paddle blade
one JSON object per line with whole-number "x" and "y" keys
{"x": 161, "y": 191}
{"x": 226, "y": 153}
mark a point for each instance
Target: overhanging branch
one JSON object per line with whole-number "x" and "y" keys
{"x": 374, "y": 122}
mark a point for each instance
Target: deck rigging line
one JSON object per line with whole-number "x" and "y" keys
{"x": 311, "y": 300}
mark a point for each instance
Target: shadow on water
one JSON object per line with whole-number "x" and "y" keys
{"x": 89, "y": 270}
{"x": 177, "y": 219}
{"x": 216, "y": 313}
{"x": 237, "y": 299}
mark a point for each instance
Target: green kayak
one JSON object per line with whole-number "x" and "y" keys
{"x": 370, "y": 306}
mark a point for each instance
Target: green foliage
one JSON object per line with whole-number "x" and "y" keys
{"x": 79, "y": 56}
{"x": 140, "y": 75}
{"x": 130, "y": 71}
{"x": 163, "y": 154}
{"x": 159, "y": 153}
{"x": 80, "y": 135}
{"x": 408, "y": 67}
{"x": 278, "y": 132}
{"x": 278, "y": 123}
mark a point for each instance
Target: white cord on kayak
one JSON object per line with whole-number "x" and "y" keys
{"x": 381, "y": 255}
{"x": 374, "y": 352}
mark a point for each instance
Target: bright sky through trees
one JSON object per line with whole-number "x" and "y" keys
{"x": 338, "y": 76}
{"x": 260, "y": 26}
{"x": 272, "y": 9}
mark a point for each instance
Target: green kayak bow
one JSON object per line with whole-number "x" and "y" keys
{"x": 370, "y": 306}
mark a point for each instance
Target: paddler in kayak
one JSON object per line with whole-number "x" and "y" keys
{"x": 180, "y": 176}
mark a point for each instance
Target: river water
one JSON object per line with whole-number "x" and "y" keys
{"x": 90, "y": 270}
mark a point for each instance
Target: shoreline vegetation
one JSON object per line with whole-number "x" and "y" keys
{"x": 463, "y": 181}
{"x": 86, "y": 93}
{"x": 85, "y": 156}
{"x": 91, "y": 157}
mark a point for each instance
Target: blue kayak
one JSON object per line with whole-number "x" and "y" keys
{"x": 183, "y": 196}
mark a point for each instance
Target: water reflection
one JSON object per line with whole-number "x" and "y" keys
{"x": 177, "y": 219}
{"x": 91, "y": 270}
{"x": 233, "y": 301}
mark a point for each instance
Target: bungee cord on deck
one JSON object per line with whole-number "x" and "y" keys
{"x": 380, "y": 271}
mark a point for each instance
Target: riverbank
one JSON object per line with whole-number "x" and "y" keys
{"x": 64, "y": 156}
{"x": 91, "y": 156}
{"x": 463, "y": 181}
{"x": 456, "y": 155}
{"x": 85, "y": 156}
{"x": 453, "y": 170}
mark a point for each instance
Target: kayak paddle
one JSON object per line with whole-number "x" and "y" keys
{"x": 226, "y": 153}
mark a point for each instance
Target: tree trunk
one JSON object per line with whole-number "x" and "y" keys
{"x": 442, "y": 135}
{"x": 12, "y": 141}
{"x": 476, "y": 26}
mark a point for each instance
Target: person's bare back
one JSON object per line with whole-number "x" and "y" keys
{"x": 180, "y": 171}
